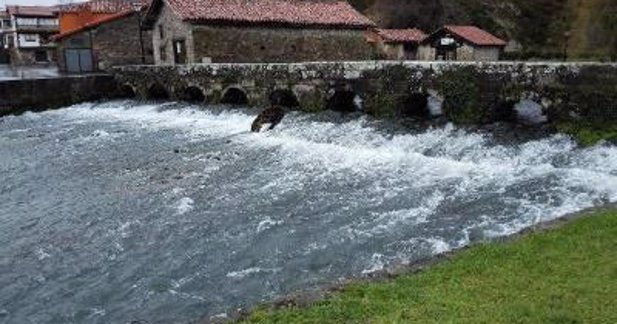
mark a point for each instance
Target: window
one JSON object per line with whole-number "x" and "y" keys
{"x": 163, "y": 53}
{"x": 40, "y": 56}
{"x": 161, "y": 32}
{"x": 26, "y": 22}
{"x": 30, "y": 38}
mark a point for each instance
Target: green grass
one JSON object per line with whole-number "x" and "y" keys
{"x": 588, "y": 135}
{"x": 565, "y": 275}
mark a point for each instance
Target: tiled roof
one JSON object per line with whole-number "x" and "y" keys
{"x": 401, "y": 35}
{"x": 93, "y": 24}
{"x": 32, "y": 11}
{"x": 475, "y": 35}
{"x": 103, "y": 6}
{"x": 294, "y": 12}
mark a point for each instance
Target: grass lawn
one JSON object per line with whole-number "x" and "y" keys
{"x": 565, "y": 275}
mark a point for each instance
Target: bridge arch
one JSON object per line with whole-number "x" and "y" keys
{"x": 127, "y": 90}
{"x": 344, "y": 100}
{"x": 156, "y": 91}
{"x": 234, "y": 95}
{"x": 192, "y": 93}
{"x": 284, "y": 97}
{"x": 415, "y": 104}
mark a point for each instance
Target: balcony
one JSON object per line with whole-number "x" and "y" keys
{"x": 38, "y": 28}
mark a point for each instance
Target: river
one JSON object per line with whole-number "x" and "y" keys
{"x": 165, "y": 212}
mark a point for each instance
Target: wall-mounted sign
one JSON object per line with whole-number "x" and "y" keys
{"x": 446, "y": 41}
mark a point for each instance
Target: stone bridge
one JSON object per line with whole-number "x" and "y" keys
{"x": 471, "y": 92}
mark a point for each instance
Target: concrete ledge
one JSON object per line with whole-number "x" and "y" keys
{"x": 18, "y": 96}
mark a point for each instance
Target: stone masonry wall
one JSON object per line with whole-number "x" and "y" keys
{"x": 487, "y": 54}
{"x": 118, "y": 43}
{"x": 173, "y": 29}
{"x": 114, "y": 43}
{"x": 252, "y": 44}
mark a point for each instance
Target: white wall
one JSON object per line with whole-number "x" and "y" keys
{"x": 29, "y": 40}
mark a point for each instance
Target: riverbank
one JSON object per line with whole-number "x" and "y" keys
{"x": 563, "y": 275}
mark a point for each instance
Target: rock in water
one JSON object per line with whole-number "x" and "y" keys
{"x": 272, "y": 116}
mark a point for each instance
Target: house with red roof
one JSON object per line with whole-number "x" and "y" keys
{"x": 396, "y": 44}
{"x": 75, "y": 15}
{"x": 461, "y": 43}
{"x": 109, "y": 40}
{"x": 246, "y": 31}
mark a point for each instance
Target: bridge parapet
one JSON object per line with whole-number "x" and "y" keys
{"x": 471, "y": 92}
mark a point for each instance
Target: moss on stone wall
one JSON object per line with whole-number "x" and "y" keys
{"x": 585, "y": 104}
{"x": 461, "y": 95}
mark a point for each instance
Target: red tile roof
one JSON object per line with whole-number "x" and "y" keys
{"x": 401, "y": 35}
{"x": 294, "y": 12}
{"x": 103, "y": 6}
{"x": 32, "y": 11}
{"x": 93, "y": 24}
{"x": 475, "y": 35}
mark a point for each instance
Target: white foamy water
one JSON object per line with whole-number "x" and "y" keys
{"x": 146, "y": 209}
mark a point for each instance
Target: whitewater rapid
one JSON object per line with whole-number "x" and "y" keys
{"x": 164, "y": 212}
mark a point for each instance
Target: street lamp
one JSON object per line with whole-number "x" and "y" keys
{"x": 137, "y": 7}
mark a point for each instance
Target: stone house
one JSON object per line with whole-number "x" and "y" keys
{"x": 113, "y": 40}
{"x": 396, "y": 44}
{"x": 203, "y": 31}
{"x": 26, "y": 33}
{"x": 461, "y": 43}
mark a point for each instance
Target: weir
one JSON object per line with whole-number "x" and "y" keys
{"x": 472, "y": 92}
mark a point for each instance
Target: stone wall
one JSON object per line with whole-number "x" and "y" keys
{"x": 465, "y": 53}
{"x": 426, "y": 53}
{"x": 172, "y": 29}
{"x": 252, "y": 44}
{"x": 53, "y": 93}
{"x": 118, "y": 43}
{"x": 114, "y": 43}
{"x": 487, "y": 53}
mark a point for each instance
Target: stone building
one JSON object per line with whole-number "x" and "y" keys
{"x": 202, "y": 31}
{"x": 461, "y": 43}
{"x": 26, "y": 32}
{"x": 396, "y": 44}
{"x": 113, "y": 40}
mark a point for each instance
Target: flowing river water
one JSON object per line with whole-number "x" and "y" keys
{"x": 165, "y": 212}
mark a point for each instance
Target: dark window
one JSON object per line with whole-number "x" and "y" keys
{"x": 10, "y": 41}
{"x": 161, "y": 32}
{"x": 163, "y": 53}
{"x": 40, "y": 56}
{"x": 293, "y": 48}
{"x": 263, "y": 48}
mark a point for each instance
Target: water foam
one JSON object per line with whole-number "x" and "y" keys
{"x": 449, "y": 163}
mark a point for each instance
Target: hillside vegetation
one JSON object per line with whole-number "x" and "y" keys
{"x": 538, "y": 26}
